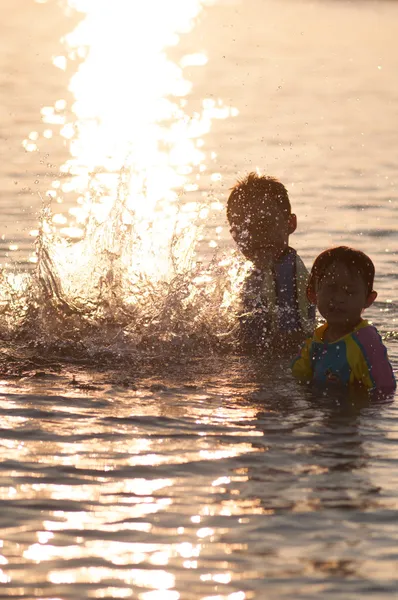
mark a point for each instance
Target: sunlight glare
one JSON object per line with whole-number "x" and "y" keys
{"x": 134, "y": 146}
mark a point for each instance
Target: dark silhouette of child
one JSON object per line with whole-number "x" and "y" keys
{"x": 276, "y": 314}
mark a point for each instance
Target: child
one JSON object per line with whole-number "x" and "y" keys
{"x": 276, "y": 312}
{"x": 346, "y": 349}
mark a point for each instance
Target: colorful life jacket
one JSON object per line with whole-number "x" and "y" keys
{"x": 359, "y": 357}
{"x": 275, "y": 302}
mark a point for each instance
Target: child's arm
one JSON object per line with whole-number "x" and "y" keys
{"x": 301, "y": 366}
{"x": 375, "y": 370}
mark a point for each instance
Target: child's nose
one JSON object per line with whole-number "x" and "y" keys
{"x": 339, "y": 296}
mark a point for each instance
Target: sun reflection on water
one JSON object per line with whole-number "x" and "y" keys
{"x": 133, "y": 182}
{"x": 134, "y": 143}
{"x": 128, "y": 533}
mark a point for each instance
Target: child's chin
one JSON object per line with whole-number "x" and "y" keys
{"x": 341, "y": 320}
{"x": 267, "y": 252}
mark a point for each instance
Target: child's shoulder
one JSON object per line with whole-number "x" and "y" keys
{"x": 300, "y": 266}
{"x": 367, "y": 335}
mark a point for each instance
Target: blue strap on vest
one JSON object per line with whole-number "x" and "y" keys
{"x": 255, "y": 325}
{"x": 286, "y": 293}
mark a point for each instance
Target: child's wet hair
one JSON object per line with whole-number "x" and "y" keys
{"x": 253, "y": 193}
{"x": 355, "y": 261}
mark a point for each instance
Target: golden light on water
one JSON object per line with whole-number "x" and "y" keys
{"x": 137, "y": 161}
{"x": 116, "y": 527}
{"x": 179, "y": 501}
{"x": 135, "y": 146}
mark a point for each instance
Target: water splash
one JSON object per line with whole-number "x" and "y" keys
{"x": 132, "y": 106}
{"x": 83, "y": 302}
{"x": 118, "y": 275}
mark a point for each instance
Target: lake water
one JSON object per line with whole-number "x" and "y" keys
{"x": 139, "y": 456}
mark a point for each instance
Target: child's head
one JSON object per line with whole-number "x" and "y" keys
{"x": 260, "y": 217}
{"x": 341, "y": 285}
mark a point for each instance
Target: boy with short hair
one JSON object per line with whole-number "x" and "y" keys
{"x": 276, "y": 313}
{"x": 346, "y": 350}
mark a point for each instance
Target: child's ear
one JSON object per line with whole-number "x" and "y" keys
{"x": 370, "y": 299}
{"x": 292, "y": 224}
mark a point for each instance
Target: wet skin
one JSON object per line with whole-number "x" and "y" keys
{"x": 263, "y": 237}
{"x": 341, "y": 295}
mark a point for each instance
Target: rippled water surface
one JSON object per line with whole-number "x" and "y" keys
{"x": 218, "y": 488}
{"x": 139, "y": 456}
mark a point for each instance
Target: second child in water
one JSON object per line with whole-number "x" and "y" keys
{"x": 346, "y": 350}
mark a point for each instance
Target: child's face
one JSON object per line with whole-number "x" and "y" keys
{"x": 264, "y": 234}
{"x": 342, "y": 295}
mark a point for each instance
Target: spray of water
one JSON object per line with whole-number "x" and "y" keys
{"x": 94, "y": 300}
{"x": 119, "y": 279}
